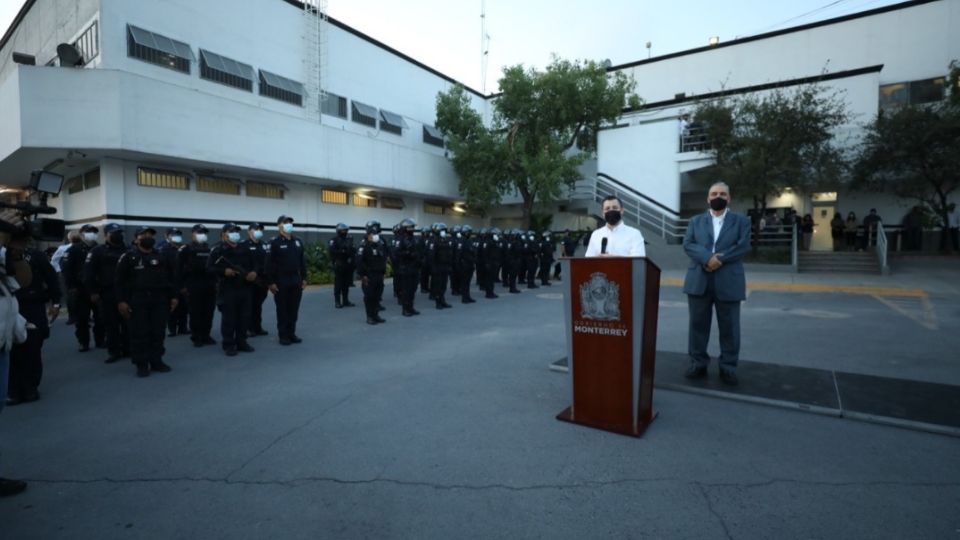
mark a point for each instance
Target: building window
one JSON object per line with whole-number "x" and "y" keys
{"x": 281, "y": 88}
{"x": 91, "y": 179}
{"x": 265, "y": 190}
{"x": 364, "y": 200}
{"x": 927, "y": 91}
{"x": 433, "y": 208}
{"x": 225, "y": 186}
{"x": 159, "y": 50}
{"x": 393, "y": 203}
{"x": 163, "y": 179}
{"x": 364, "y": 114}
{"x": 332, "y": 196}
{"x": 898, "y": 95}
{"x": 223, "y": 70}
{"x": 334, "y": 105}
{"x": 432, "y": 136}
{"x": 75, "y": 185}
{"x": 391, "y": 122}
{"x": 89, "y": 43}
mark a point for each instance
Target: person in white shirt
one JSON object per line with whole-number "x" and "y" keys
{"x": 62, "y": 250}
{"x": 953, "y": 222}
{"x": 622, "y": 240}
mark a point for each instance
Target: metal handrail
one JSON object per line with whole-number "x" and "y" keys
{"x": 639, "y": 212}
{"x": 794, "y": 249}
{"x": 881, "y": 247}
{"x": 695, "y": 139}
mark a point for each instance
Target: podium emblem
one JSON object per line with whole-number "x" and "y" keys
{"x": 600, "y": 299}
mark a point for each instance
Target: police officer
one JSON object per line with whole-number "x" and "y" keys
{"x": 26, "y": 360}
{"x": 513, "y": 260}
{"x": 146, "y": 294}
{"x": 258, "y": 289}
{"x": 569, "y": 250}
{"x": 72, "y": 266}
{"x": 198, "y": 286}
{"x": 547, "y": 247}
{"x": 440, "y": 258}
{"x": 424, "y": 240}
{"x": 100, "y": 278}
{"x": 394, "y": 264}
{"x": 492, "y": 252}
{"x": 408, "y": 265}
{"x": 456, "y": 240}
{"x": 342, "y": 252}
{"x": 234, "y": 267}
{"x": 467, "y": 255}
{"x": 372, "y": 267}
{"x": 531, "y": 259}
{"x": 178, "y": 323}
{"x": 286, "y": 276}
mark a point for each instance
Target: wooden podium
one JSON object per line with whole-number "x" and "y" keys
{"x": 611, "y": 308}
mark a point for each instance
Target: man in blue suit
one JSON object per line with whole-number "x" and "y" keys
{"x": 716, "y": 242}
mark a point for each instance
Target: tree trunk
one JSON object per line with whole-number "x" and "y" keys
{"x": 527, "y": 207}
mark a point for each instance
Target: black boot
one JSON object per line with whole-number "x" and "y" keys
{"x": 443, "y": 301}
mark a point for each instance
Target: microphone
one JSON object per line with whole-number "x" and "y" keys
{"x": 603, "y": 246}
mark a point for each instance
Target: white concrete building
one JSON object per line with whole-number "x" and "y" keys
{"x": 187, "y": 111}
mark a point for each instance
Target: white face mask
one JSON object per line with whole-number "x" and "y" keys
{"x": 201, "y": 238}
{"x": 375, "y": 238}
{"x": 443, "y": 234}
{"x": 257, "y": 234}
{"x": 496, "y": 238}
{"x": 233, "y": 236}
{"x": 458, "y": 235}
{"x": 89, "y": 237}
{"x": 176, "y": 239}
{"x": 288, "y": 228}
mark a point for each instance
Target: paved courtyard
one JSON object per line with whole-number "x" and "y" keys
{"x": 442, "y": 426}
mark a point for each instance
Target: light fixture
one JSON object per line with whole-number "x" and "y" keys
{"x": 459, "y": 209}
{"x": 714, "y": 41}
{"x": 365, "y": 196}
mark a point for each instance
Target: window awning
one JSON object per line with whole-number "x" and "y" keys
{"x": 160, "y": 43}
{"x": 282, "y": 83}
{"x": 227, "y": 65}
{"x": 392, "y": 118}
{"x": 433, "y": 132}
{"x": 365, "y": 109}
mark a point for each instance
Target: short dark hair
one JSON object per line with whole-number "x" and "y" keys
{"x": 611, "y": 198}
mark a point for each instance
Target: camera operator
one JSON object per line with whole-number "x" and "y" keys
{"x": 26, "y": 361}
{"x": 14, "y": 273}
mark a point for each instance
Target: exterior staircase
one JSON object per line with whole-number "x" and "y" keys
{"x": 856, "y": 262}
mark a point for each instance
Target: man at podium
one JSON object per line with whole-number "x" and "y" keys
{"x": 615, "y": 239}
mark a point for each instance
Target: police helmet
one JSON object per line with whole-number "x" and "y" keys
{"x": 111, "y": 227}
{"x": 495, "y": 230}
{"x": 144, "y": 229}
{"x": 342, "y": 227}
{"x": 456, "y": 229}
{"x": 466, "y": 229}
{"x": 89, "y": 228}
{"x": 408, "y": 223}
{"x": 373, "y": 226}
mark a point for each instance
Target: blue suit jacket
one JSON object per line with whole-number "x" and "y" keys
{"x": 733, "y": 243}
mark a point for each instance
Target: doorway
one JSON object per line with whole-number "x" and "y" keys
{"x": 822, "y": 237}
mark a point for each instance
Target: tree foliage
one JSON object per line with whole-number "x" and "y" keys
{"x": 914, "y": 153}
{"x": 764, "y": 144}
{"x": 544, "y": 125}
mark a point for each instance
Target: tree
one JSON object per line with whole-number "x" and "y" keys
{"x": 764, "y": 144}
{"x": 544, "y": 127}
{"x": 914, "y": 153}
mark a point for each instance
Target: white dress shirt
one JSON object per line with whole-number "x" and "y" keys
{"x": 622, "y": 240}
{"x": 717, "y": 226}
{"x": 58, "y": 256}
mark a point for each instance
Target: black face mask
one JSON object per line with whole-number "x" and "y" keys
{"x": 116, "y": 238}
{"x": 343, "y": 234}
{"x": 612, "y": 217}
{"x": 718, "y": 204}
{"x": 148, "y": 242}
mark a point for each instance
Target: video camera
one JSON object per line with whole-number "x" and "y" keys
{"x": 44, "y": 183}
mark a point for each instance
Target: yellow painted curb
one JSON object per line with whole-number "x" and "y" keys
{"x": 818, "y": 288}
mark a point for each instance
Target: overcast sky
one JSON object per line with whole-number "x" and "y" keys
{"x": 445, "y": 34}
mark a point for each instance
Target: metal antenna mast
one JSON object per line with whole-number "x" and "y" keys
{"x": 315, "y": 55}
{"x": 484, "y": 46}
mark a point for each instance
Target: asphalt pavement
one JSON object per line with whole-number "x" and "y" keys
{"x": 442, "y": 426}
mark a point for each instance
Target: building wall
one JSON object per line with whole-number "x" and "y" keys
{"x": 914, "y": 43}
{"x": 46, "y": 25}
